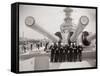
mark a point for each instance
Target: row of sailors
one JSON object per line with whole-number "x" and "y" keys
{"x": 69, "y": 53}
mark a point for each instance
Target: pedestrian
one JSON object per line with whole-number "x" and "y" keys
{"x": 31, "y": 46}
{"x": 46, "y": 45}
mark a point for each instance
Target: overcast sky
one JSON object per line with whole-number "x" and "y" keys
{"x": 50, "y": 18}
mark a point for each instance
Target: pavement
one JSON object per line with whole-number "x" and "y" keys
{"x": 30, "y": 61}
{"x": 70, "y": 65}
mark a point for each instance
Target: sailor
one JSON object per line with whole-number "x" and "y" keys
{"x": 56, "y": 52}
{"x": 59, "y": 52}
{"x": 72, "y": 55}
{"x": 52, "y": 52}
{"x": 65, "y": 48}
{"x": 62, "y": 53}
{"x": 80, "y": 49}
{"x": 74, "y": 52}
{"x": 70, "y": 52}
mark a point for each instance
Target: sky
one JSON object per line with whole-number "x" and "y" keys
{"x": 50, "y": 18}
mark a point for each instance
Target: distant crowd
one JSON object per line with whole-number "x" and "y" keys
{"x": 30, "y": 46}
